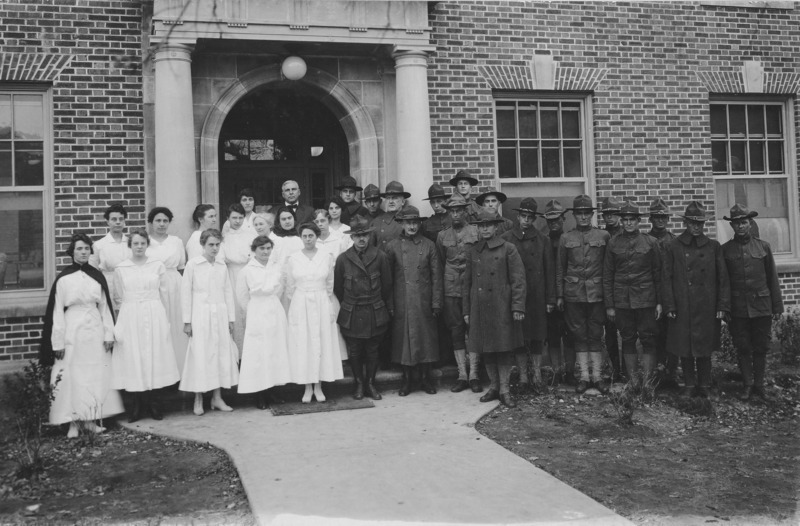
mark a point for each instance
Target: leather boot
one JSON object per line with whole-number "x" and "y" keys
{"x": 474, "y": 376}
{"x": 461, "y": 362}
{"x": 759, "y": 371}
{"x": 425, "y": 376}
{"x": 504, "y": 372}
{"x": 261, "y": 400}
{"x": 746, "y": 366}
{"x": 596, "y": 359}
{"x": 406, "y": 387}
{"x": 369, "y": 387}
{"x": 358, "y": 377}
{"x": 135, "y": 414}
{"x": 154, "y": 404}
{"x": 583, "y": 371}
{"x": 537, "y": 387}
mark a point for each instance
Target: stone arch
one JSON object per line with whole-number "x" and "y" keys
{"x": 355, "y": 120}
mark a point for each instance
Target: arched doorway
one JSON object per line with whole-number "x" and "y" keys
{"x": 275, "y": 134}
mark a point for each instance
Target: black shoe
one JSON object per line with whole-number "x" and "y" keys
{"x": 155, "y": 408}
{"x": 490, "y": 395}
{"x": 428, "y": 387}
{"x": 475, "y": 385}
{"x": 461, "y": 385}
{"x": 758, "y": 392}
{"x": 507, "y": 400}
{"x": 261, "y": 400}
{"x": 135, "y": 413}
{"x": 582, "y": 386}
{"x": 746, "y": 393}
{"x": 371, "y": 391}
{"x": 358, "y": 394}
{"x": 405, "y": 388}
{"x": 602, "y": 387}
{"x": 273, "y": 397}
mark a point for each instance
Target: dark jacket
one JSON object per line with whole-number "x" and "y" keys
{"x": 696, "y": 287}
{"x": 540, "y": 279}
{"x": 364, "y": 289}
{"x": 494, "y": 288}
{"x": 435, "y": 224}
{"x": 349, "y": 211}
{"x": 579, "y": 273}
{"x": 664, "y": 238}
{"x": 417, "y": 276}
{"x": 386, "y": 230}
{"x": 453, "y": 247}
{"x": 632, "y": 272}
{"x": 755, "y": 290}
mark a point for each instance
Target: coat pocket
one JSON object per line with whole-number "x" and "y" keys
{"x": 345, "y": 315}
{"x": 381, "y": 314}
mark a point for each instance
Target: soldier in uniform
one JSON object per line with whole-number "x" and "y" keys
{"x": 494, "y": 305}
{"x": 540, "y": 298}
{"x": 579, "y": 288}
{"x": 491, "y": 201}
{"x": 386, "y": 228}
{"x": 659, "y": 219}
{"x": 363, "y": 284}
{"x": 440, "y": 218}
{"x": 697, "y": 296}
{"x": 348, "y": 190}
{"x": 632, "y": 291}
{"x": 558, "y": 336}
{"x": 609, "y": 207}
{"x": 372, "y": 201}
{"x": 755, "y": 298}
{"x": 453, "y": 244}
{"x": 418, "y": 298}
{"x": 463, "y": 183}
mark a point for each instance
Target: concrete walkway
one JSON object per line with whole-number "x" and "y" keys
{"x": 412, "y": 460}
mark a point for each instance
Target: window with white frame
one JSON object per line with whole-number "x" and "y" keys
{"x": 753, "y": 165}
{"x": 26, "y": 259}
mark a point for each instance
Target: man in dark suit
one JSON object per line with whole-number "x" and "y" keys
{"x": 291, "y": 197}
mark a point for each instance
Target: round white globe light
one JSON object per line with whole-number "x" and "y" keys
{"x": 294, "y": 68}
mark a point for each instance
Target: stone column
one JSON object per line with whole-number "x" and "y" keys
{"x": 414, "y": 157}
{"x": 176, "y": 176}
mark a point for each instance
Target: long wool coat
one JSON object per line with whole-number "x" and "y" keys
{"x": 696, "y": 287}
{"x": 540, "y": 276}
{"x": 417, "y": 275}
{"x": 494, "y": 288}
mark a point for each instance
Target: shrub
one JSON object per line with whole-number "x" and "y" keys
{"x": 727, "y": 352}
{"x": 787, "y": 332}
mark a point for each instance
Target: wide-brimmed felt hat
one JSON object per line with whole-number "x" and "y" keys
{"x": 395, "y": 188}
{"x": 582, "y": 202}
{"x": 456, "y": 200}
{"x": 659, "y": 208}
{"x": 359, "y": 225}
{"x": 484, "y": 217}
{"x": 407, "y": 213}
{"x": 463, "y": 175}
{"x": 371, "y": 192}
{"x": 553, "y": 210}
{"x": 499, "y": 195}
{"x": 610, "y": 205}
{"x": 695, "y": 211}
{"x": 348, "y": 182}
{"x": 529, "y": 205}
{"x": 740, "y": 212}
{"x": 629, "y": 208}
{"x": 436, "y": 191}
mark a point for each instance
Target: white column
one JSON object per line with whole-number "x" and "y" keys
{"x": 414, "y": 157}
{"x": 176, "y": 176}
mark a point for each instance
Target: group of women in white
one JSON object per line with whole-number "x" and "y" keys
{"x": 250, "y": 305}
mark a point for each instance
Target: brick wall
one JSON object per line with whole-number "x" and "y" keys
{"x": 97, "y": 118}
{"x": 650, "y": 109}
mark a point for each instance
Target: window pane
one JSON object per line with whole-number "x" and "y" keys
{"x": 29, "y": 166}
{"x": 529, "y": 159}
{"x": 768, "y": 197}
{"x": 757, "y": 157}
{"x": 737, "y": 157}
{"x": 507, "y": 163}
{"x": 719, "y": 120}
{"x": 719, "y": 157}
{"x": 572, "y": 163}
{"x": 5, "y": 164}
{"x": 28, "y": 115}
{"x": 755, "y": 120}
{"x": 5, "y": 117}
{"x": 21, "y": 241}
{"x": 236, "y": 150}
{"x": 774, "y": 120}
{"x": 549, "y": 123}
{"x": 570, "y": 124}
{"x": 775, "y": 157}
{"x": 551, "y": 163}
{"x": 737, "y": 120}
{"x": 505, "y": 124}
{"x": 527, "y": 123}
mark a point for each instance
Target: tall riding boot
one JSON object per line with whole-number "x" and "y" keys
{"x": 596, "y": 359}
{"x": 537, "y": 386}
{"x": 504, "y": 375}
{"x": 634, "y": 373}
{"x": 369, "y": 387}
{"x": 474, "y": 372}
{"x": 358, "y": 376}
{"x": 461, "y": 361}
{"x": 154, "y": 404}
{"x": 746, "y": 367}
{"x": 759, "y": 371}
{"x": 135, "y": 414}
{"x": 494, "y": 380}
{"x": 406, "y": 387}
{"x": 426, "y": 377}
{"x": 649, "y": 361}
{"x": 583, "y": 372}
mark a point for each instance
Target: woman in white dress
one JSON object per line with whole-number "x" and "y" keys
{"x": 335, "y": 207}
{"x": 143, "y": 359}
{"x": 289, "y": 243}
{"x": 208, "y": 315}
{"x": 247, "y": 198}
{"x": 334, "y": 243}
{"x": 205, "y": 216}
{"x": 170, "y": 251}
{"x": 112, "y": 249}
{"x": 265, "y": 356}
{"x": 237, "y": 253}
{"x": 77, "y": 340}
{"x": 314, "y": 354}
{"x": 263, "y": 223}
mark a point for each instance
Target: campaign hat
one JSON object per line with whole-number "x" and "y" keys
{"x": 610, "y": 205}
{"x": 408, "y": 212}
{"x": 435, "y": 191}
{"x": 739, "y": 211}
{"x": 359, "y": 225}
{"x": 499, "y": 195}
{"x": 659, "y": 208}
{"x": 395, "y": 188}
{"x": 348, "y": 182}
{"x": 553, "y": 209}
{"x": 695, "y": 211}
{"x": 582, "y": 202}
{"x": 484, "y": 217}
{"x": 456, "y": 200}
{"x": 629, "y": 208}
{"x": 371, "y": 192}
{"x": 463, "y": 175}
{"x": 529, "y": 205}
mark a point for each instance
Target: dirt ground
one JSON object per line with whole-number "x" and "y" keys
{"x": 737, "y": 465}
{"x": 123, "y": 477}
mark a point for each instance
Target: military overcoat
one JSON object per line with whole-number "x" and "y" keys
{"x": 364, "y": 289}
{"x": 435, "y": 224}
{"x": 386, "y": 230}
{"x": 755, "y": 289}
{"x": 494, "y": 288}
{"x": 695, "y": 285}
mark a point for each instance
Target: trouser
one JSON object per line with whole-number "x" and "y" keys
{"x": 751, "y": 339}
{"x": 696, "y": 371}
{"x": 559, "y": 340}
{"x": 522, "y": 357}
{"x": 667, "y": 359}
{"x": 585, "y": 323}
{"x": 363, "y": 349}
{"x": 453, "y": 317}
{"x": 636, "y": 324}
{"x": 498, "y": 368}
{"x": 612, "y": 346}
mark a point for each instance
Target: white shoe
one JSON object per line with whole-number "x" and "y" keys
{"x": 307, "y": 395}
{"x": 198, "y": 406}
{"x": 220, "y": 405}
{"x": 73, "y": 430}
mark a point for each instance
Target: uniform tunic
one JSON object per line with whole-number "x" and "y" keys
{"x": 493, "y": 289}
{"x": 82, "y": 322}
{"x": 172, "y": 254}
{"x": 417, "y": 276}
{"x": 143, "y": 356}
{"x": 435, "y": 224}
{"x": 207, "y": 303}
{"x": 579, "y": 273}
{"x": 632, "y": 272}
{"x": 540, "y": 278}
{"x": 107, "y": 253}
{"x": 363, "y": 285}
{"x": 755, "y": 289}
{"x": 696, "y": 287}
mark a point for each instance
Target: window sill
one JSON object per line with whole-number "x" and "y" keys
{"x": 19, "y": 306}
{"x": 787, "y": 266}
